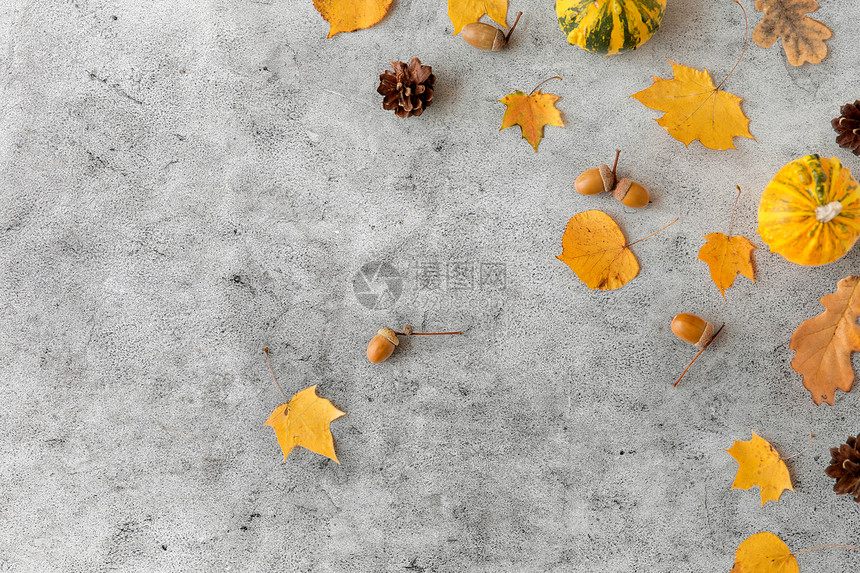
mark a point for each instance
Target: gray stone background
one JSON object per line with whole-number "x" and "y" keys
{"x": 185, "y": 183}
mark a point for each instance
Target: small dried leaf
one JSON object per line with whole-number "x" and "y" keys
{"x": 531, "y": 113}
{"x": 696, "y": 109}
{"x": 760, "y": 465}
{"x": 727, "y": 257}
{"x": 802, "y": 37}
{"x": 304, "y": 421}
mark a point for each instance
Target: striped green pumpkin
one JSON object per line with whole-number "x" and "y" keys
{"x": 609, "y": 26}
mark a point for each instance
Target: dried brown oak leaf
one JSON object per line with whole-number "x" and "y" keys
{"x": 802, "y": 37}
{"x": 823, "y": 345}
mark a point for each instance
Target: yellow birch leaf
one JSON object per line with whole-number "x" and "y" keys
{"x": 727, "y": 257}
{"x": 531, "y": 112}
{"x": 823, "y": 344}
{"x": 304, "y": 421}
{"x": 595, "y": 248}
{"x": 464, "y": 12}
{"x": 696, "y": 109}
{"x": 351, "y": 15}
{"x": 759, "y": 464}
{"x": 764, "y": 553}
{"x": 802, "y": 37}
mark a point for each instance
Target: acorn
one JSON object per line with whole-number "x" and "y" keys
{"x": 597, "y": 179}
{"x": 487, "y": 37}
{"x": 382, "y": 345}
{"x": 692, "y": 329}
{"x": 631, "y": 193}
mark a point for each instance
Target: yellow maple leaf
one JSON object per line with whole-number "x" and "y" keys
{"x": 802, "y": 37}
{"x": 351, "y": 15}
{"x": 764, "y": 553}
{"x": 696, "y": 109}
{"x": 727, "y": 257}
{"x": 823, "y": 344}
{"x": 759, "y": 464}
{"x": 304, "y": 421}
{"x": 595, "y": 248}
{"x": 531, "y": 112}
{"x": 464, "y": 12}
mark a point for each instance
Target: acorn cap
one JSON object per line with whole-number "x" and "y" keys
{"x": 707, "y": 335}
{"x": 388, "y": 335}
{"x": 622, "y": 188}
{"x": 607, "y": 176}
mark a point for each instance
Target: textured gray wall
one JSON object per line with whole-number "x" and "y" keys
{"x": 184, "y": 183}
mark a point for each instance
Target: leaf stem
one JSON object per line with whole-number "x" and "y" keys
{"x": 269, "y": 364}
{"x": 823, "y": 546}
{"x": 543, "y": 82}
{"x": 652, "y": 234}
{"x": 511, "y": 31}
{"x": 426, "y": 333}
{"x": 696, "y": 357}
{"x": 732, "y": 220}
{"x": 746, "y": 40}
{"x": 801, "y": 451}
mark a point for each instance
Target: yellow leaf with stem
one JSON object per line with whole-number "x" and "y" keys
{"x": 759, "y": 464}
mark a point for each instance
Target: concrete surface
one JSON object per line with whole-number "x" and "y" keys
{"x": 185, "y": 183}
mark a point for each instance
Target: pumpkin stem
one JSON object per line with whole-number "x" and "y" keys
{"x": 826, "y": 213}
{"x": 746, "y": 39}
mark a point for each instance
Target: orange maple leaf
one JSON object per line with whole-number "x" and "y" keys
{"x": 760, "y": 465}
{"x": 802, "y": 37}
{"x": 531, "y": 112}
{"x": 462, "y": 12}
{"x": 727, "y": 256}
{"x": 351, "y": 15}
{"x": 764, "y": 553}
{"x": 304, "y": 421}
{"x": 823, "y": 345}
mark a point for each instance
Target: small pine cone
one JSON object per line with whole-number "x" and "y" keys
{"x": 845, "y": 468}
{"x": 847, "y": 125}
{"x": 408, "y": 90}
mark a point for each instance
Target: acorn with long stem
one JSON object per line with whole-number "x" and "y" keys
{"x": 383, "y": 344}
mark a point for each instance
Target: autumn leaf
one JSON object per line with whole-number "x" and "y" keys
{"x": 351, "y": 15}
{"x": 823, "y": 345}
{"x": 531, "y": 112}
{"x": 595, "y": 248}
{"x": 727, "y": 256}
{"x": 464, "y": 12}
{"x": 764, "y": 553}
{"x": 802, "y": 37}
{"x": 304, "y": 421}
{"x": 696, "y": 109}
{"x": 760, "y": 465}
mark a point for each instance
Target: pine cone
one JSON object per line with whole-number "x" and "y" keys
{"x": 847, "y": 126}
{"x": 845, "y": 468}
{"x": 409, "y": 89}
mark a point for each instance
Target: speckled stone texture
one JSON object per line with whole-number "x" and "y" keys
{"x": 184, "y": 183}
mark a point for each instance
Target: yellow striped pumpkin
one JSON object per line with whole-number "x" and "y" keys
{"x": 609, "y": 26}
{"x": 810, "y": 211}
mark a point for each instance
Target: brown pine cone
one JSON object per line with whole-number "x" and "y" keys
{"x": 847, "y": 126}
{"x": 408, "y": 90}
{"x": 845, "y": 468}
